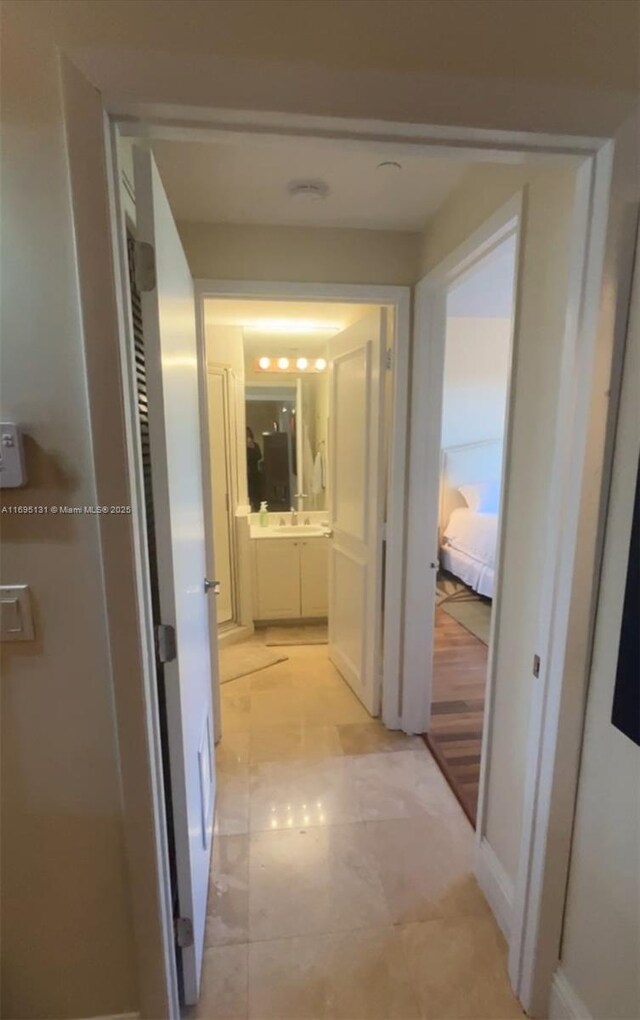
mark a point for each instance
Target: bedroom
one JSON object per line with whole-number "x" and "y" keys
{"x": 477, "y": 365}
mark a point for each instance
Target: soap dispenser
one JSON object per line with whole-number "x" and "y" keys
{"x": 264, "y": 515}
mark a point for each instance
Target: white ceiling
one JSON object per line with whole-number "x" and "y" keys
{"x": 277, "y": 328}
{"x": 245, "y": 181}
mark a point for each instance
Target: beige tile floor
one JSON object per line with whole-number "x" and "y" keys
{"x": 341, "y": 884}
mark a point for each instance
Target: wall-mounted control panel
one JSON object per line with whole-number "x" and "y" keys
{"x": 16, "y": 617}
{"x": 12, "y": 471}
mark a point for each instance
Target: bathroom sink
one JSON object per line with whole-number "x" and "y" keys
{"x": 289, "y": 531}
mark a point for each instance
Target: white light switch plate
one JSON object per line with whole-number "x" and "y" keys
{"x": 12, "y": 472}
{"x": 16, "y": 617}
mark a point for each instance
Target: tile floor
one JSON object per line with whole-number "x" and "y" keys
{"x": 341, "y": 884}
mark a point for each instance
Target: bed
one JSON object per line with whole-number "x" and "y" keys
{"x": 469, "y": 499}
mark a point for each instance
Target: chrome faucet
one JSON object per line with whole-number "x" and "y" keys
{"x": 294, "y": 516}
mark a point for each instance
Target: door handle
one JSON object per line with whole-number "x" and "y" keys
{"x": 211, "y": 585}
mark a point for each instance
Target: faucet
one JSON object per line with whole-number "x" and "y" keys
{"x": 294, "y": 516}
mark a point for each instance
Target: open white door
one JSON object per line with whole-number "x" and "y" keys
{"x": 174, "y": 430}
{"x": 356, "y": 360}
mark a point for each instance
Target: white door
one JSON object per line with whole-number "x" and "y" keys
{"x": 221, "y": 497}
{"x": 174, "y": 426}
{"x": 356, "y": 358}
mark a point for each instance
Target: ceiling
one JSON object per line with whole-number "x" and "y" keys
{"x": 246, "y": 181}
{"x": 278, "y": 328}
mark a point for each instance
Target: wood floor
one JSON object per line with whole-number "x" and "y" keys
{"x": 457, "y": 708}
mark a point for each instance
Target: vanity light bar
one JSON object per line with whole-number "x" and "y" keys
{"x": 291, "y": 366}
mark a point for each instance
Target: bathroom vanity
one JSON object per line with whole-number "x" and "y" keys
{"x": 291, "y": 567}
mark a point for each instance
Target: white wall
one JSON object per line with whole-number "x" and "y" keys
{"x": 601, "y": 940}
{"x": 476, "y": 369}
{"x": 543, "y": 289}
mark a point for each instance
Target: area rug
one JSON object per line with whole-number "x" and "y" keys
{"x": 243, "y": 659}
{"x": 305, "y": 634}
{"x": 471, "y": 610}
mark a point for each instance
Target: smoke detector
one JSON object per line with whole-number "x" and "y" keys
{"x": 308, "y": 191}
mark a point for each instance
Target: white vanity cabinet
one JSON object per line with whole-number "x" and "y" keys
{"x": 314, "y": 577}
{"x": 291, "y": 578}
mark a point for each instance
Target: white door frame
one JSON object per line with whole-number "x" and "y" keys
{"x": 427, "y": 381}
{"x": 399, "y": 298}
{"x": 535, "y": 915}
{"x": 102, "y": 285}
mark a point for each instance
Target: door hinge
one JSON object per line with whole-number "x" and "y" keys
{"x": 144, "y": 266}
{"x": 389, "y": 359}
{"x": 183, "y": 929}
{"x": 536, "y": 666}
{"x": 166, "y": 642}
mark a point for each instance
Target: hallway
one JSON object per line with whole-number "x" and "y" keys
{"x": 342, "y": 874}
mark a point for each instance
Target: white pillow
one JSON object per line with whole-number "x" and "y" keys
{"x": 482, "y": 497}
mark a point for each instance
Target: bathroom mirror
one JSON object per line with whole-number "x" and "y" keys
{"x": 286, "y": 419}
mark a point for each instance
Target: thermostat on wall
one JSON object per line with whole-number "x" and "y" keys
{"x": 12, "y": 472}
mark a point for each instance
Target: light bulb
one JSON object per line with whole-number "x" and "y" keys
{"x": 283, "y": 363}
{"x": 302, "y": 363}
{"x": 320, "y": 364}
{"x": 265, "y": 363}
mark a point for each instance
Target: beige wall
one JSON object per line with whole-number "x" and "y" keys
{"x": 601, "y": 942}
{"x": 601, "y": 939}
{"x": 66, "y": 928}
{"x": 476, "y": 373}
{"x": 300, "y": 255}
{"x": 543, "y": 288}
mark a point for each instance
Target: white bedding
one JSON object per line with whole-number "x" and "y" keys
{"x": 469, "y": 548}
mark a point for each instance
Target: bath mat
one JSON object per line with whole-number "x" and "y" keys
{"x": 305, "y": 634}
{"x": 242, "y": 659}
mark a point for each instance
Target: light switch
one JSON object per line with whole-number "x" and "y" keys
{"x": 12, "y": 472}
{"x": 16, "y": 617}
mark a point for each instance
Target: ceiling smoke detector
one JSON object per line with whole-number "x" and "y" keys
{"x": 309, "y": 191}
{"x": 389, "y": 166}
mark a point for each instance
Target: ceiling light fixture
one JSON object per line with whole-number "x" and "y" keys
{"x": 308, "y": 191}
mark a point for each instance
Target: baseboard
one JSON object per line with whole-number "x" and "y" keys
{"x": 234, "y": 634}
{"x": 115, "y": 1016}
{"x": 564, "y": 1004}
{"x": 496, "y": 885}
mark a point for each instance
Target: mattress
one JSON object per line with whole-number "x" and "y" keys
{"x": 468, "y": 549}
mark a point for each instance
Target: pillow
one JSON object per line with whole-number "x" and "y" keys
{"x": 483, "y": 497}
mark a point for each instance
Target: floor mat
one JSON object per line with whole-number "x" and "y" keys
{"x": 471, "y": 610}
{"x": 305, "y": 634}
{"x": 242, "y": 659}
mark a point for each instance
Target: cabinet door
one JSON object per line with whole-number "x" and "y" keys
{"x": 277, "y": 578}
{"x": 314, "y": 577}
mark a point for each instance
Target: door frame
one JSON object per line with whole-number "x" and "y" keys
{"x": 91, "y": 125}
{"x": 531, "y": 915}
{"x": 398, "y": 298}
{"x": 427, "y": 381}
